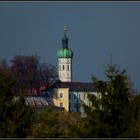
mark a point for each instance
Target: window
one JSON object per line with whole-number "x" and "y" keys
{"x": 63, "y": 67}
{"x": 59, "y": 67}
{"x": 61, "y": 95}
{"x": 61, "y": 105}
{"x": 67, "y": 67}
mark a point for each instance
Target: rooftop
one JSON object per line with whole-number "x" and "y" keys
{"x": 74, "y": 86}
{"x": 36, "y": 102}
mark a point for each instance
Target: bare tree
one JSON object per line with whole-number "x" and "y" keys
{"x": 31, "y": 74}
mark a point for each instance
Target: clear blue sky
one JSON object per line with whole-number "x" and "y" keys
{"x": 96, "y": 30}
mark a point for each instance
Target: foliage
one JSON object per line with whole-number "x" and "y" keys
{"x": 109, "y": 113}
{"x": 114, "y": 112}
{"x": 31, "y": 74}
{"x": 57, "y": 124}
{"x": 134, "y": 117}
{"x": 15, "y": 117}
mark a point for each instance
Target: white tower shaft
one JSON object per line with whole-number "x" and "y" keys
{"x": 65, "y": 69}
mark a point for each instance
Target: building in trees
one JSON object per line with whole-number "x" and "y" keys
{"x": 72, "y": 95}
{"x": 68, "y": 94}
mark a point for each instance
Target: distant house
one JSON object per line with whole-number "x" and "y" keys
{"x": 37, "y": 103}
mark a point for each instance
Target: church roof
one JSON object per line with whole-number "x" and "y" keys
{"x": 74, "y": 86}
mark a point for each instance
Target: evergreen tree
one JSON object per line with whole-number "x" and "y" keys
{"x": 108, "y": 116}
{"x": 134, "y": 117}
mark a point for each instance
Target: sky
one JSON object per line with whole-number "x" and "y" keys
{"x": 96, "y": 30}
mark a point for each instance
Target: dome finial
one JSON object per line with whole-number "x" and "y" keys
{"x": 65, "y": 39}
{"x": 65, "y": 29}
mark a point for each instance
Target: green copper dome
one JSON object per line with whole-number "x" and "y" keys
{"x": 64, "y": 53}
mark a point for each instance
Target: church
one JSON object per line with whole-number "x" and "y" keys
{"x": 67, "y": 93}
{"x": 64, "y": 93}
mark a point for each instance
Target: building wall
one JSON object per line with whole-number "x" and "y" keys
{"x": 77, "y": 98}
{"x": 72, "y": 100}
{"x": 61, "y": 97}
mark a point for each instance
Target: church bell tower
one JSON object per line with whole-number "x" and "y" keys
{"x": 65, "y": 55}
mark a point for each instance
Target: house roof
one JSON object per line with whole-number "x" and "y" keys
{"x": 38, "y": 103}
{"x": 74, "y": 86}
{"x": 35, "y": 101}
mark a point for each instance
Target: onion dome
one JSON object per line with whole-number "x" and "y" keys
{"x": 64, "y": 51}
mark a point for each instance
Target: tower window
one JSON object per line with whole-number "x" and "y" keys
{"x": 67, "y": 67}
{"x": 63, "y": 67}
{"x": 59, "y": 67}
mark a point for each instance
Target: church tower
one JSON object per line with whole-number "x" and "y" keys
{"x": 64, "y": 55}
